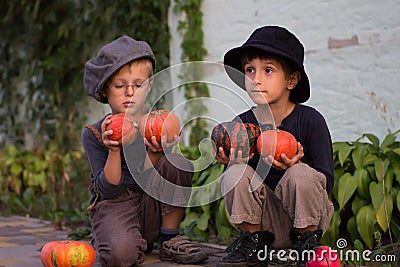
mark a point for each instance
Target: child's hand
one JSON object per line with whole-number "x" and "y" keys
{"x": 224, "y": 159}
{"x": 269, "y": 160}
{"x": 111, "y": 145}
{"x": 155, "y": 147}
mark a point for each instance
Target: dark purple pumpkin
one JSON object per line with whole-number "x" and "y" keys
{"x": 236, "y": 135}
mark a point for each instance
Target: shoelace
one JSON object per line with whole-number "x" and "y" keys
{"x": 246, "y": 243}
{"x": 308, "y": 241}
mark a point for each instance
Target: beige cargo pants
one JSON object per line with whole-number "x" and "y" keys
{"x": 299, "y": 200}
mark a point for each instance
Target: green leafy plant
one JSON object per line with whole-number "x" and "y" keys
{"x": 209, "y": 222}
{"x": 366, "y": 193}
{"x": 42, "y": 183}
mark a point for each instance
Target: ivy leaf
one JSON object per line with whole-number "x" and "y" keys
{"x": 396, "y": 171}
{"x": 337, "y": 145}
{"x": 398, "y": 200}
{"x": 347, "y": 186}
{"x": 369, "y": 159}
{"x": 222, "y": 222}
{"x": 389, "y": 179}
{"x": 360, "y": 247}
{"x": 365, "y": 220}
{"x": 358, "y": 155}
{"x": 202, "y": 223}
{"x": 344, "y": 152}
{"x": 381, "y": 168}
{"x": 384, "y": 213}
{"x": 190, "y": 219}
{"x": 374, "y": 140}
{"x": 388, "y": 141}
{"x": 376, "y": 194}
{"x": 357, "y": 203}
{"x": 352, "y": 228}
{"x": 16, "y": 169}
{"x": 397, "y": 151}
{"x": 334, "y": 225}
{"x": 38, "y": 179}
{"x": 363, "y": 183}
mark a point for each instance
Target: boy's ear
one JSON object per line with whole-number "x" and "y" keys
{"x": 103, "y": 94}
{"x": 294, "y": 79}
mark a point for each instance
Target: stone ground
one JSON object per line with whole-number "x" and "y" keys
{"x": 21, "y": 239}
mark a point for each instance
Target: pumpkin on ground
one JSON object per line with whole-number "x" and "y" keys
{"x": 276, "y": 143}
{"x": 236, "y": 135}
{"x": 124, "y": 128}
{"x": 67, "y": 253}
{"x": 324, "y": 257}
{"x": 159, "y": 123}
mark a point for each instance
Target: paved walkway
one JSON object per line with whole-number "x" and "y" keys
{"x": 21, "y": 239}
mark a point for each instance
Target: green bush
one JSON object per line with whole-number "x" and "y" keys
{"x": 43, "y": 183}
{"x": 366, "y": 193}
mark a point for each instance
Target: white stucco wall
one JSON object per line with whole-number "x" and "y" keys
{"x": 352, "y": 50}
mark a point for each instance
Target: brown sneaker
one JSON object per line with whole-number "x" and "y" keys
{"x": 181, "y": 250}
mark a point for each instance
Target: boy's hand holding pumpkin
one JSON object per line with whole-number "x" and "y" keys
{"x": 118, "y": 129}
{"x": 279, "y": 149}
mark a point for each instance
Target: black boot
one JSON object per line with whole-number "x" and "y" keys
{"x": 303, "y": 242}
{"x": 244, "y": 251}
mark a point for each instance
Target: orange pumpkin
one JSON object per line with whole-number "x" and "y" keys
{"x": 159, "y": 123}
{"x": 276, "y": 143}
{"x": 67, "y": 253}
{"x": 124, "y": 128}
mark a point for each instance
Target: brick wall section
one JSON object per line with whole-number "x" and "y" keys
{"x": 340, "y": 43}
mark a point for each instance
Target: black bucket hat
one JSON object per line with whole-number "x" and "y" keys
{"x": 275, "y": 40}
{"x": 109, "y": 59}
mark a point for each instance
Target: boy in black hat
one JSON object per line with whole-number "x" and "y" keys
{"x": 126, "y": 220}
{"x": 289, "y": 207}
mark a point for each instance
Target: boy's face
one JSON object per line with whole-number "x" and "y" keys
{"x": 128, "y": 88}
{"x": 266, "y": 81}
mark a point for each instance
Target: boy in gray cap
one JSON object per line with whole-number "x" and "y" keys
{"x": 289, "y": 207}
{"x": 125, "y": 219}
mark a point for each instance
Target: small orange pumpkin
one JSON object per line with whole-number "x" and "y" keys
{"x": 276, "y": 143}
{"x": 67, "y": 253}
{"x": 124, "y": 128}
{"x": 159, "y": 123}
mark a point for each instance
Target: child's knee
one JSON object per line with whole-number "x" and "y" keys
{"x": 303, "y": 177}
{"x": 234, "y": 177}
{"x": 122, "y": 254}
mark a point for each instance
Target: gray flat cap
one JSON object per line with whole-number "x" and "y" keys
{"x": 109, "y": 59}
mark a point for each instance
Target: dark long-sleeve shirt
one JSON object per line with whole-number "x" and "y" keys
{"x": 97, "y": 155}
{"x": 309, "y": 128}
